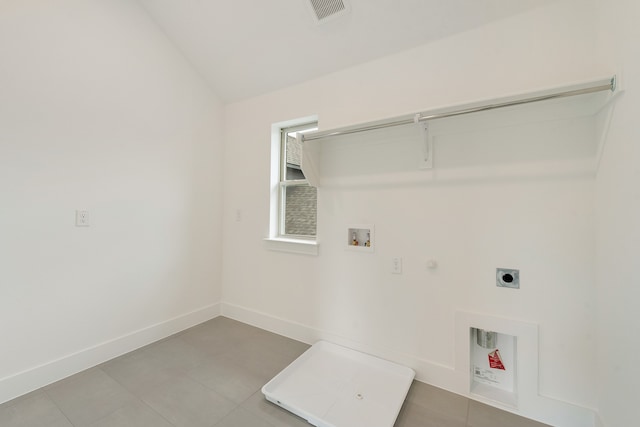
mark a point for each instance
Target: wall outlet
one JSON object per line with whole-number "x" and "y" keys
{"x": 82, "y": 218}
{"x": 396, "y": 265}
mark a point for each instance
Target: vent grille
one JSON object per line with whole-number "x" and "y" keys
{"x": 324, "y": 9}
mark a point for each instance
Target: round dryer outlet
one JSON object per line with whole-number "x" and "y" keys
{"x": 508, "y": 278}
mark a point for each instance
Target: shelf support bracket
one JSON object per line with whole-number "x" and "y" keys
{"x": 426, "y": 159}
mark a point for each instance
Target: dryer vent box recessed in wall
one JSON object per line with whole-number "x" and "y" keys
{"x": 325, "y": 10}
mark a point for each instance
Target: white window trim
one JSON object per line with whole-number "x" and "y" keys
{"x": 294, "y": 246}
{"x": 307, "y": 246}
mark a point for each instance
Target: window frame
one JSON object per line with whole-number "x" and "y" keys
{"x": 285, "y": 183}
{"x": 278, "y": 240}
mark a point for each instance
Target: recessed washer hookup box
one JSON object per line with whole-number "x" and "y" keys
{"x": 333, "y": 386}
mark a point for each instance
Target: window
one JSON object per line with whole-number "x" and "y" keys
{"x": 297, "y": 200}
{"x": 293, "y": 203}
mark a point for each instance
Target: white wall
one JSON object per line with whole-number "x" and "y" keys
{"x": 618, "y": 224}
{"x": 98, "y": 111}
{"x": 352, "y": 297}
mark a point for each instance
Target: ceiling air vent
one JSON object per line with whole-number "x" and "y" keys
{"x": 323, "y": 10}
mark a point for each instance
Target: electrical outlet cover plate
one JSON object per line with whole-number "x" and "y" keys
{"x": 82, "y": 218}
{"x": 508, "y": 278}
{"x": 396, "y": 265}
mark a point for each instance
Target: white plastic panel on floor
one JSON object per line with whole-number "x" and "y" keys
{"x": 333, "y": 386}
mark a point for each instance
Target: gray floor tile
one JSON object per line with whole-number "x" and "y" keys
{"x": 270, "y": 342}
{"x": 481, "y": 415}
{"x": 88, "y": 396}
{"x": 438, "y": 401}
{"x": 187, "y": 403}
{"x": 415, "y": 415}
{"x": 240, "y": 417}
{"x": 176, "y": 353}
{"x": 139, "y": 372}
{"x": 132, "y": 415}
{"x": 218, "y": 335}
{"x": 222, "y": 374}
{"x": 261, "y": 363}
{"x": 273, "y": 414}
{"x": 36, "y": 410}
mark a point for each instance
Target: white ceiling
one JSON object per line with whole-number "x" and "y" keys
{"x": 245, "y": 48}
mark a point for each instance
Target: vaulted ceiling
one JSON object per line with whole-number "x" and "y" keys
{"x": 245, "y": 48}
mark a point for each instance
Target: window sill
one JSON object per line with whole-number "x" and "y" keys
{"x": 295, "y": 246}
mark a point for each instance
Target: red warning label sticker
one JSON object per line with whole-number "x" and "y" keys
{"x": 495, "y": 361}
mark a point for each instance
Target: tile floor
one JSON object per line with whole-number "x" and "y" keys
{"x": 211, "y": 375}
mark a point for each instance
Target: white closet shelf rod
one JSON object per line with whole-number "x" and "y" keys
{"x": 421, "y": 117}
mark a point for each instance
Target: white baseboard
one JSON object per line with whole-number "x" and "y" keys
{"x": 26, "y": 381}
